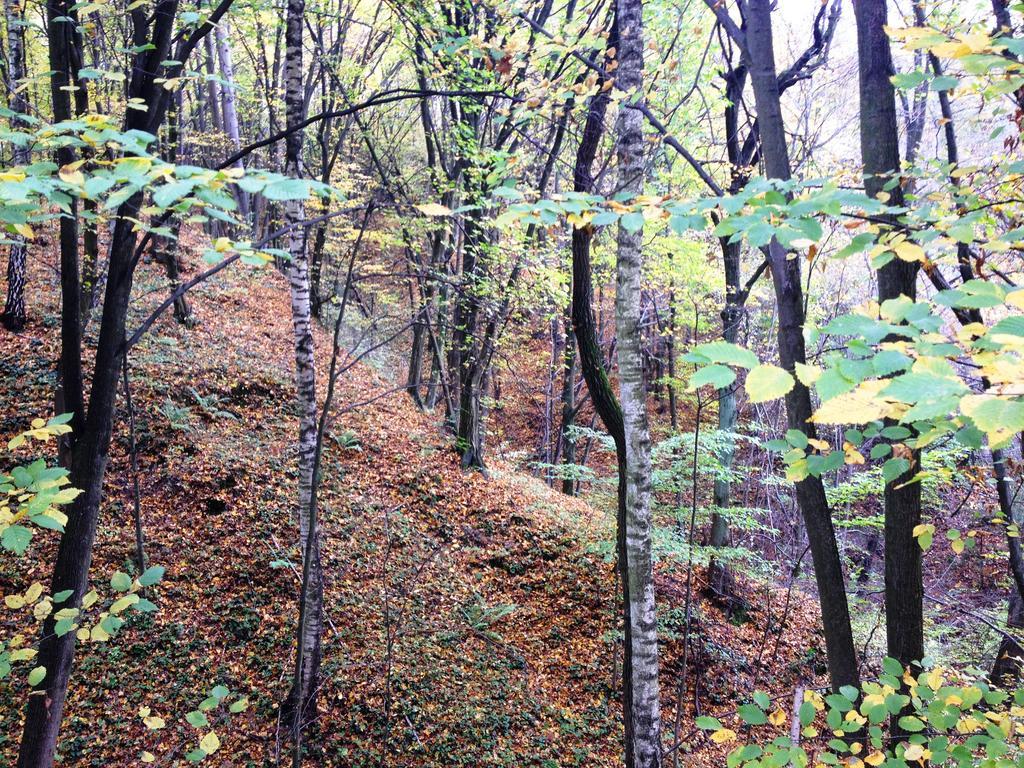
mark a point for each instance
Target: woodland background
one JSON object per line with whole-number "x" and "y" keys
{"x": 536, "y": 383}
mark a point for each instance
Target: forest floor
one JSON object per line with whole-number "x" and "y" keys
{"x": 471, "y": 620}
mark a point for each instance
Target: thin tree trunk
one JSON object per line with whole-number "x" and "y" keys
{"x": 14, "y": 309}
{"x": 810, "y": 492}
{"x": 568, "y": 406}
{"x": 300, "y": 706}
{"x": 904, "y": 594}
{"x": 165, "y": 249}
{"x": 645, "y": 708}
{"x": 593, "y": 369}
{"x": 230, "y": 110}
{"x": 720, "y": 578}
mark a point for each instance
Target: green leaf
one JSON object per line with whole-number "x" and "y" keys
{"x": 168, "y": 194}
{"x": 195, "y": 756}
{"x": 717, "y": 375}
{"x": 239, "y": 706}
{"x": 807, "y": 713}
{"x": 916, "y": 386}
{"x": 120, "y": 582}
{"x": 197, "y": 718}
{"x": 911, "y": 724}
{"x": 751, "y": 714}
{"x": 15, "y": 538}
{"x": 219, "y": 692}
{"x": 880, "y": 450}
{"x": 796, "y": 438}
{"x": 152, "y": 575}
{"x": 287, "y": 189}
{"x": 632, "y": 222}
{"x": 726, "y": 353}
{"x": 36, "y": 676}
{"x": 944, "y": 83}
{"x": 708, "y": 723}
{"x": 767, "y": 382}
{"x": 838, "y": 702}
{"x": 894, "y": 469}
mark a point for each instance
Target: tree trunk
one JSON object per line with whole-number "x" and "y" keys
{"x": 14, "y": 309}
{"x": 904, "y": 615}
{"x": 230, "y": 108}
{"x": 720, "y": 578}
{"x": 300, "y": 706}
{"x": 645, "y": 711}
{"x": 810, "y": 492}
{"x": 568, "y": 406}
{"x": 165, "y": 249}
{"x": 89, "y": 451}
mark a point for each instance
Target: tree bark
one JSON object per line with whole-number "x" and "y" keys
{"x": 300, "y": 706}
{"x": 568, "y": 405}
{"x": 230, "y": 108}
{"x": 880, "y": 152}
{"x": 14, "y": 309}
{"x": 828, "y": 569}
{"x": 645, "y": 710}
{"x": 91, "y": 436}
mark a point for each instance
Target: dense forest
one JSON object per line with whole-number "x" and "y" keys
{"x": 512, "y": 383}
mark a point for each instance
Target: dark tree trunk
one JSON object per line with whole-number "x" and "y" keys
{"x": 89, "y": 451}
{"x": 828, "y": 569}
{"x": 880, "y": 152}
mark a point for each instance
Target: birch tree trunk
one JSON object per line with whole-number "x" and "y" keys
{"x": 300, "y": 706}
{"x": 14, "y": 309}
{"x": 646, "y": 708}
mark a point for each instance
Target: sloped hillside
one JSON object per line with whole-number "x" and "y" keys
{"x": 471, "y": 619}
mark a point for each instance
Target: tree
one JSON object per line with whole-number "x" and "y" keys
{"x": 301, "y": 704}
{"x": 13, "y": 316}
{"x": 756, "y": 43}
{"x": 880, "y": 152}
{"x": 92, "y": 426}
{"x": 638, "y": 571}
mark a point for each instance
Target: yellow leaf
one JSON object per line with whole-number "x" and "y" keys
{"x": 778, "y": 717}
{"x": 875, "y": 758}
{"x": 144, "y": 711}
{"x": 32, "y": 593}
{"x": 857, "y": 407}
{"x": 14, "y": 602}
{"x": 808, "y": 374}
{"x": 723, "y": 736}
{"x": 909, "y": 251}
{"x": 1015, "y": 299}
{"x": 42, "y": 609}
{"x": 154, "y": 722}
{"x": 70, "y": 174}
{"x": 210, "y": 743}
{"x": 434, "y": 209}
{"x": 913, "y": 752}
{"x": 957, "y": 545}
{"x": 147, "y": 757}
